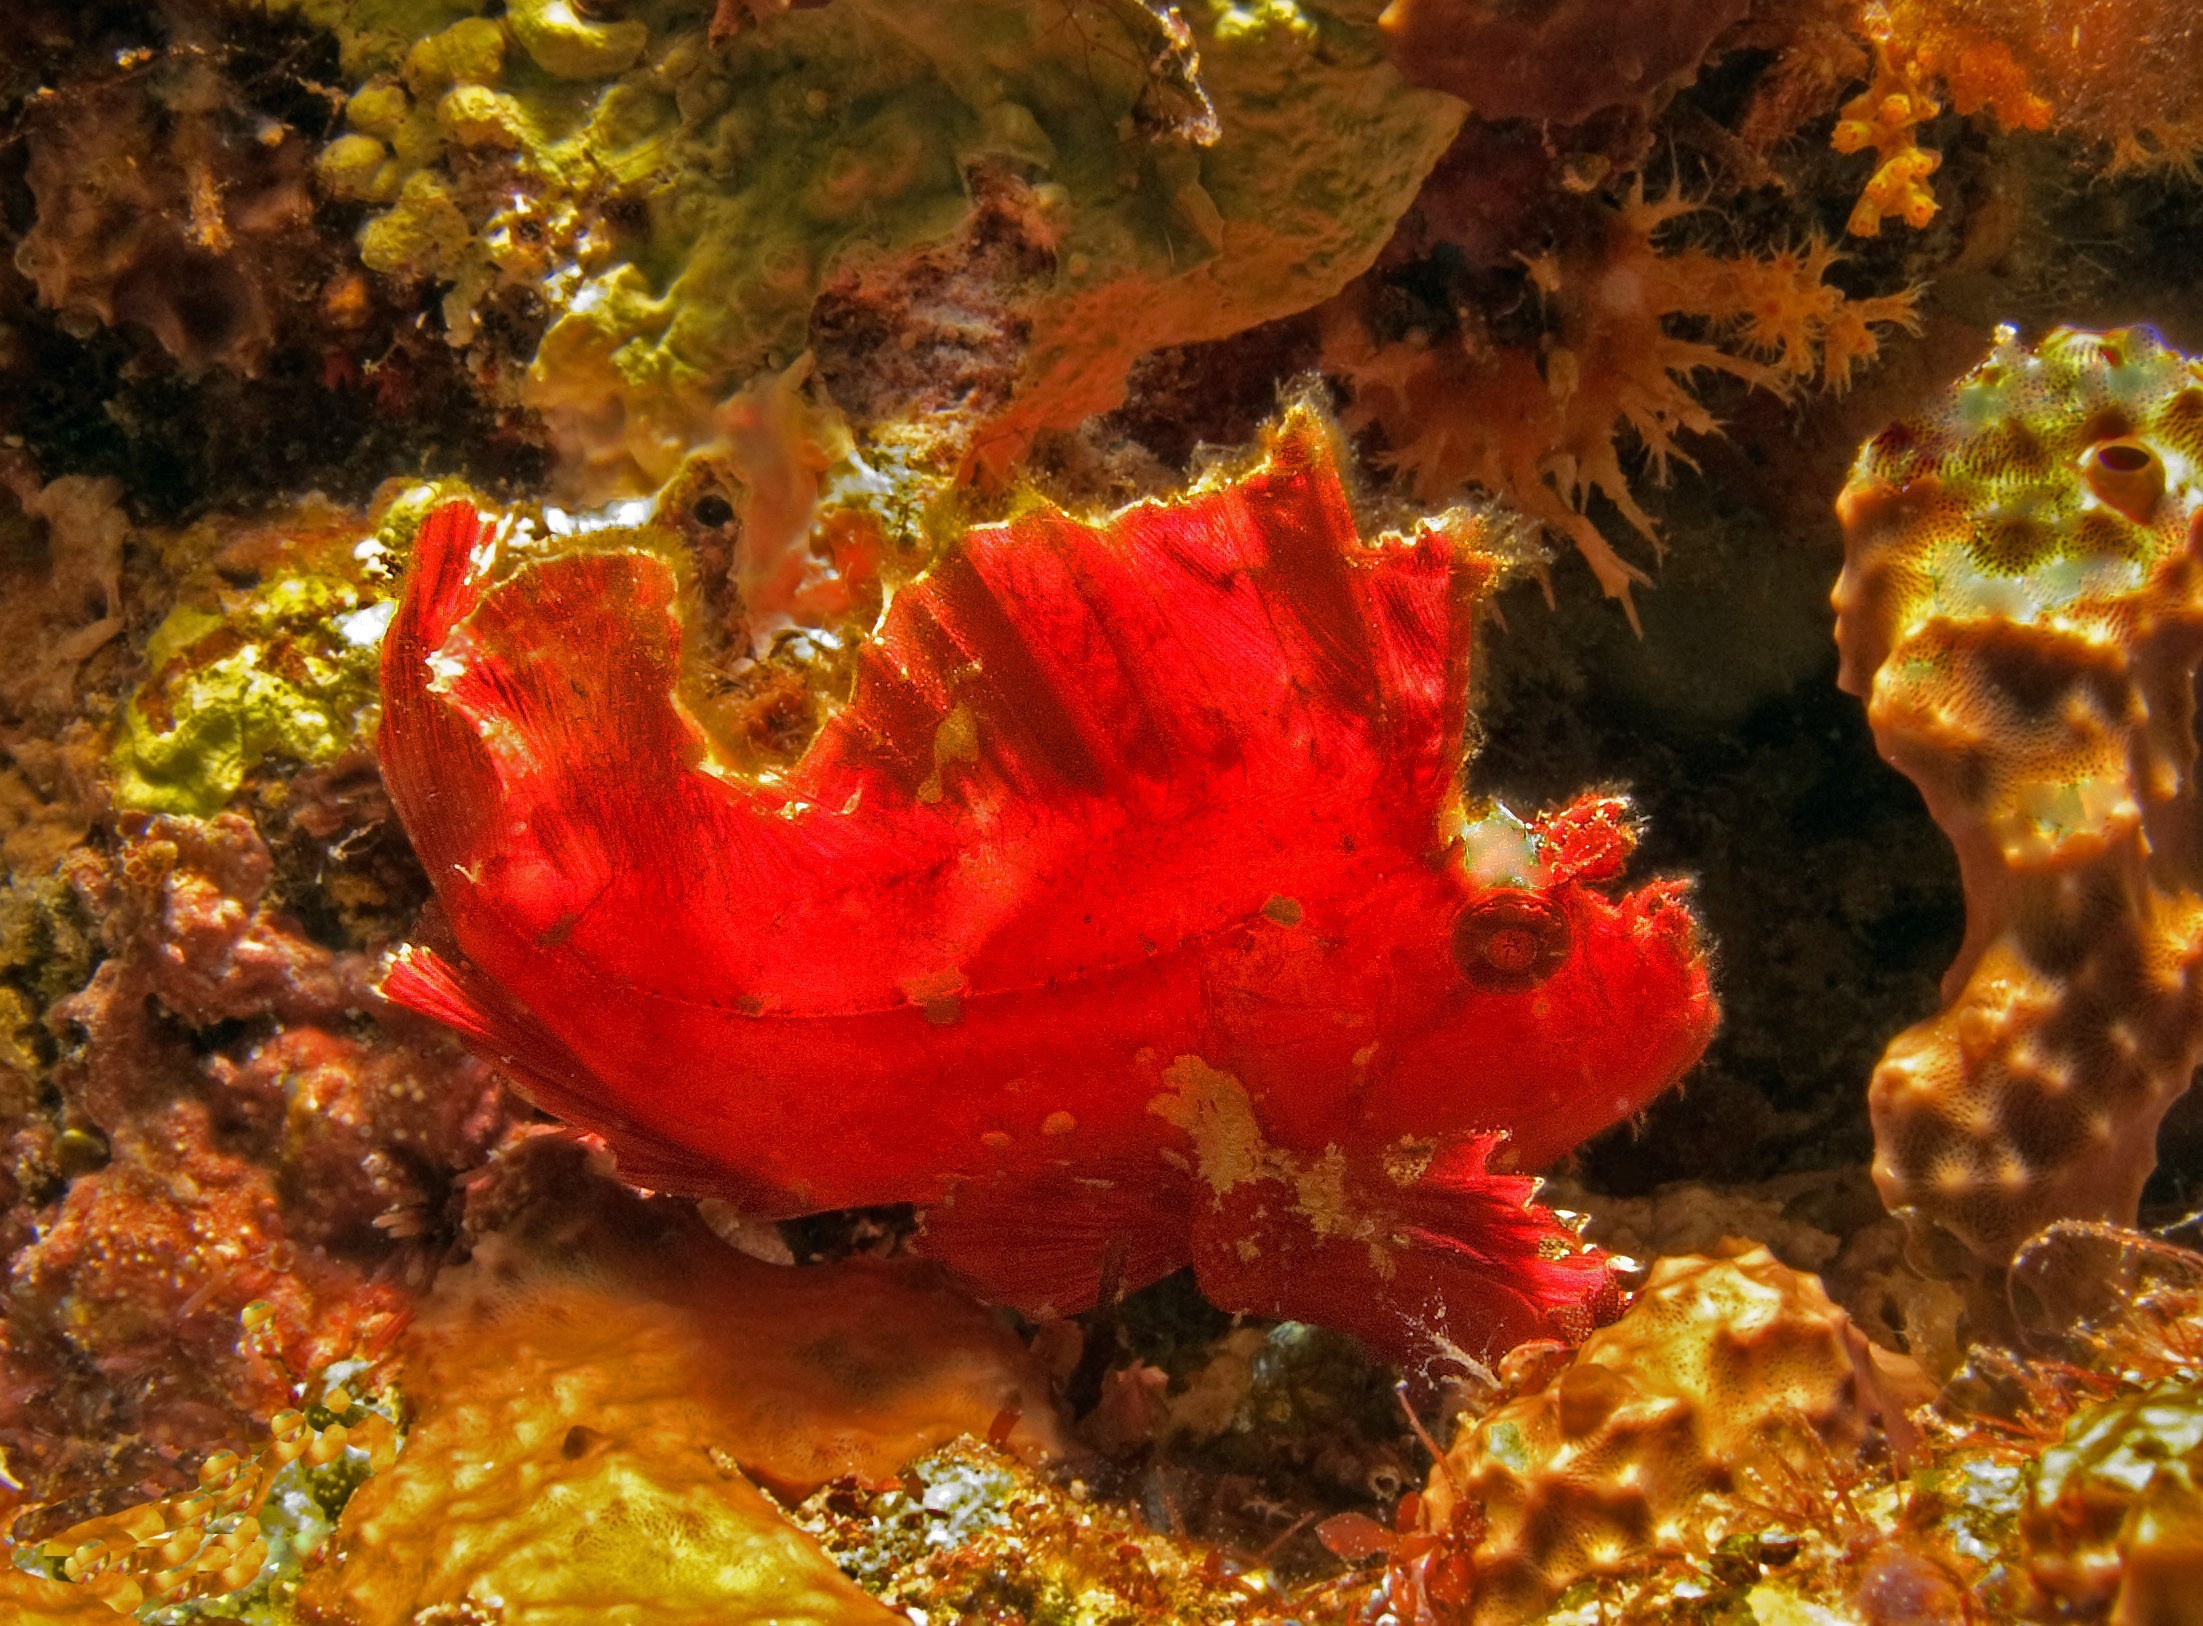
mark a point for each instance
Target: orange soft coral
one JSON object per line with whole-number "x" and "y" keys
{"x": 1541, "y": 428}
{"x": 1886, "y": 116}
{"x": 2115, "y": 72}
{"x": 1917, "y": 46}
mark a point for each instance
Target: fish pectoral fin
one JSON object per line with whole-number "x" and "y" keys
{"x": 1423, "y": 1253}
{"x": 506, "y": 1034}
{"x": 1052, "y": 1244}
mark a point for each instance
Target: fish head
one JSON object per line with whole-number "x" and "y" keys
{"x": 1563, "y": 1002}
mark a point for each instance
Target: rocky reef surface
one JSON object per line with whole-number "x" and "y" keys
{"x": 312, "y": 1313}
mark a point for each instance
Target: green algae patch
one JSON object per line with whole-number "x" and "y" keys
{"x": 290, "y": 672}
{"x": 679, "y": 208}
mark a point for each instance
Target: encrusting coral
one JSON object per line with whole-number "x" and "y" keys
{"x": 1542, "y": 427}
{"x": 2021, "y": 608}
{"x": 675, "y": 206}
{"x": 224, "y": 1128}
{"x": 1728, "y": 1381}
{"x": 592, "y": 1416}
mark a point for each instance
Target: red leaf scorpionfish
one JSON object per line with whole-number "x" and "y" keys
{"x": 1128, "y": 916}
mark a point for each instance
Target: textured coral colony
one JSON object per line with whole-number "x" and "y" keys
{"x": 1101, "y": 811}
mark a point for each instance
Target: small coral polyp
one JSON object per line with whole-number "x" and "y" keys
{"x": 2021, "y": 607}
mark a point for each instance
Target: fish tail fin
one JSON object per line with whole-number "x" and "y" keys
{"x": 508, "y": 1036}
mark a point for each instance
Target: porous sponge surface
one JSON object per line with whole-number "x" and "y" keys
{"x": 2020, "y": 609}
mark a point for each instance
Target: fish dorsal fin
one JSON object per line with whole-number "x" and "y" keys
{"x": 1245, "y": 632}
{"x": 1177, "y": 713}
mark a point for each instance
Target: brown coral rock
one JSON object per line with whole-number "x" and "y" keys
{"x": 160, "y": 206}
{"x": 1555, "y": 60}
{"x": 1727, "y": 1377}
{"x": 218, "y": 1071}
{"x": 2021, "y": 607}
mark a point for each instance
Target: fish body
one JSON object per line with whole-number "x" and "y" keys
{"x": 1128, "y": 915}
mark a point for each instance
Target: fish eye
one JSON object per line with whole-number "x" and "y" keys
{"x": 1509, "y": 942}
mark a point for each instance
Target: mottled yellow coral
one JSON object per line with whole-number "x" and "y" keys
{"x": 589, "y": 1435}
{"x": 1727, "y": 1381}
{"x": 2021, "y": 607}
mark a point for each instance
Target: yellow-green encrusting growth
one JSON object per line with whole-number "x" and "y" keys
{"x": 290, "y": 673}
{"x": 287, "y": 668}
{"x": 678, "y": 206}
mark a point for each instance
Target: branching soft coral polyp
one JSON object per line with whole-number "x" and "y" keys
{"x": 1542, "y": 428}
{"x": 1886, "y": 117}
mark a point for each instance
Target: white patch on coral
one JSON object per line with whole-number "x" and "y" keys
{"x": 363, "y": 629}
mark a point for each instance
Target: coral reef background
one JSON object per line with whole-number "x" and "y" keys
{"x": 826, "y": 282}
